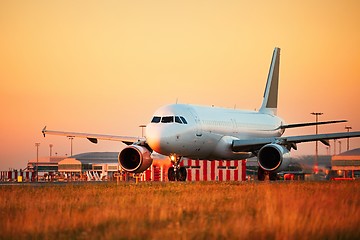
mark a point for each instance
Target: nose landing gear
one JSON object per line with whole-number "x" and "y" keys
{"x": 176, "y": 173}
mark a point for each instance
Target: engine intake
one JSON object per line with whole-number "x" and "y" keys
{"x": 135, "y": 159}
{"x": 273, "y": 157}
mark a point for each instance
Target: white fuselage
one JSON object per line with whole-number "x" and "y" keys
{"x": 207, "y": 132}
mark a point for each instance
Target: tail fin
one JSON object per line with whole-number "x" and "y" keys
{"x": 269, "y": 104}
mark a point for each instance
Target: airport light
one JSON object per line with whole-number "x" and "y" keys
{"x": 37, "y": 161}
{"x": 317, "y": 114}
{"x": 348, "y": 128}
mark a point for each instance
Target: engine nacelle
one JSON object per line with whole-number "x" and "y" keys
{"x": 273, "y": 157}
{"x": 135, "y": 159}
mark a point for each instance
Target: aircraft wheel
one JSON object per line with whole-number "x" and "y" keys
{"x": 261, "y": 174}
{"x": 273, "y": 176}
{"x": 182, "y": 174}
{"x": 171, "y": 174}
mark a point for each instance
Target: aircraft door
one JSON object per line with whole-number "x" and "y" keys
{"x": 197, "y": 123}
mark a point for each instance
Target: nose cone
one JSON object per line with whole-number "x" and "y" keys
{"x": 153, "y": 137}
{"x": 162, "y": 138}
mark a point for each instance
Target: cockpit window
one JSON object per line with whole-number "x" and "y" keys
{"x": 167, "y": 119}
{"x": 178, "y": 120}
{"x": 183, "y": 120}
{"x": 156, "y": 119}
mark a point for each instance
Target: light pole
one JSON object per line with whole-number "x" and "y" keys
{"x": 71, "y": 145}
{"x": 142, "y": 130}
{"x": 339, "y": 146}
{"x": 50, "y": 145}
{"x": 348, "y": 128}
{"x": 317, "y": 114}
{"x": 37, "y": 161}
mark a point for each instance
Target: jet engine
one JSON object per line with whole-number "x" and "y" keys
{"x": 135, "y": 159}
{"x": 273, "y": 157}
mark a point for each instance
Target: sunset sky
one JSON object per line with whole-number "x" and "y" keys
{"x": 106, "y": 66}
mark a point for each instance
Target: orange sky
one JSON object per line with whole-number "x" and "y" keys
{"x": 106, "y": 66}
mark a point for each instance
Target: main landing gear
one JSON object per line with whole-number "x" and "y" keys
{"x": 262, "y": 174}
{"x": 176, "y": 173}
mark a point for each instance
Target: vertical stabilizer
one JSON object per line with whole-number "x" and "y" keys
{"x": 269, "y": 104}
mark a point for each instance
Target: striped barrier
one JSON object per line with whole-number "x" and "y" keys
{"x": 200, "y": 170}
{"x": 13, "y": 176}
{"x": 215, "y": 170}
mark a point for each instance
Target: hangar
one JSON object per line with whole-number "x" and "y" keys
{"x": 347, "y": 163}
{"x": 85, "y": 166}
{"x": 99, "y": 161}
{"x": 45, "y": 164}
{"x": 90, "y": 166}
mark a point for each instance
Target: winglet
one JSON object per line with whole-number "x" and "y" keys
{"x": 269, "y": 104}
{"x": 44, "y": 131}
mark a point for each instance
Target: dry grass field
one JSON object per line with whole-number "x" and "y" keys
{"x": 232, "y": 210}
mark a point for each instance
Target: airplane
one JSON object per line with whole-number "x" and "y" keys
{"x": 211, "y": 133}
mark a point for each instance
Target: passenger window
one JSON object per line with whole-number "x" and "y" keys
{"x": 183, "y": 120}
{"x": 156, "y": 119}
{"x": 168, "y": 119}
{"x": 177, "y": 120}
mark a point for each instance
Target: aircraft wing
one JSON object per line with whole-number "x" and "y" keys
{"x": 251, "y": 145}
{"x": 296, "y": 125}
{"x": 94, "y": 137}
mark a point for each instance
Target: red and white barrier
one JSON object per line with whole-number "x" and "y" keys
{"x": 12, "y": 176}
{"x": 155, "y": 173}
{"x": 200, "y": 170}
{"x": 3, "y": 176}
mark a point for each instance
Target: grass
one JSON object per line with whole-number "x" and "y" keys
{"x": 202, "y": 210}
